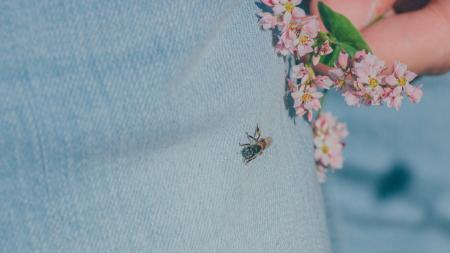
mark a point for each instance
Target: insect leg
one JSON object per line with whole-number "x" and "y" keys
{"x": 244, "y": 145}
{"x": 250, "y": 159}
{"x": 257, "y": 133}
{"x": 250, "y": 138}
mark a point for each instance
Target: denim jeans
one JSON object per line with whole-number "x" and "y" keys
{"x": 120, "y": 124}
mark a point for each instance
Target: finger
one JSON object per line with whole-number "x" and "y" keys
{"x": 360, "y": 12}
{"x": 419, "y": 39}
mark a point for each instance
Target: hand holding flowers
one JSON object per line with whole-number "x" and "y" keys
{"x": 354, "y": 70}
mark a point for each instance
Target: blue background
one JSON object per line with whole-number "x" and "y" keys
{"x": 393, "y": 194}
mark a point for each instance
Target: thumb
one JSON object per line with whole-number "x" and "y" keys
{"x": 360, "y": 12}
{"x": 418, "y": 39}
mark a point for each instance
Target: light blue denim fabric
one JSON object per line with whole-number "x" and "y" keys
{"x": 119, "y": 130}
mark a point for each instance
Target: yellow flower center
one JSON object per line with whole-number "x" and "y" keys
{"x": 307, "y": 97}
{"x": 325, "y": 149}
{"x": 289, "y": 7}
{"x": 293, "y": 26}
{"x": 303, "y": 39}
{"x": 402, "y": 81}
{"x": 340, "y": 83}
{"x": 373, "y": 83}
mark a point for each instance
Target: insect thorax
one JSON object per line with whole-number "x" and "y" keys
{"x": 250, "y": 151}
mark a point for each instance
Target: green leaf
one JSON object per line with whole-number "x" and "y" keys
{"x": 349, "y": 49}
{"x": 343, "y": 30}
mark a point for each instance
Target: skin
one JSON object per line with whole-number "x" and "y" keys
{"x": 417, "y": 34}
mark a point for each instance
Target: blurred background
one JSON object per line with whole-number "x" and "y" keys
{"x": 393, "y": 195}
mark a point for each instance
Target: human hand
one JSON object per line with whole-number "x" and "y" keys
{"x": 418, "y": 37}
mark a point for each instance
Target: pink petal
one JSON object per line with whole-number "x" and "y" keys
{"x": 351, "y": 99}
{"x": 337, "y": 162}
{"x": 360, "y": 55}
{"x": 310, "y": 115}
{"x": 304, "y": 50}
{"x": 298, "y": 12}
{"x": 391, "y": 80}
{"x": 316, "y": 60}
{"x": 300, "y": 111}
{"x": 287, "y": 17}
{"x": 278, "y": 10}
{"x": 414, "y": 93}
{"x": 336, "y": 73}
{"x": 267, "y": 21}
{"x": 410, "y": 75}
{"x": 321, "y": 176}
{"x": 399, "y": 69}
{"x": 267, "y": 2}
{"x": 299, "y": 71}
{"x": 323, "y": 82}
{"x": 343, "y": 60}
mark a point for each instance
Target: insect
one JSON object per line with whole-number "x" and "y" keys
{"x": 255, "y": 146}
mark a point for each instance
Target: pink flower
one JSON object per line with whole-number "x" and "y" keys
{"x": 286, "y": 43}
{"x": 325, "y": 49}
{"x": 340, "y": 74}
{"x": 267, "y": 21}
{"x": 281, "y": 48}
{"x": 360, "y": 78}
{"x": 327, "y": 126}
{"x": 292, "y": 85}
{"x": 270, "y": 3}
{"x": 321, "y": 173}
{"x": 359, "y": 55}
{"x": 371, "y": 96}
{"x": 294, "y": 26}
{"x": 414, "y": 93}
{"x": 369, "y": 79}
{"x": 304, "y": 43}
{"x": 328, "y": 141}
{"x": 340, "y": 131}
{"x": 339, "y": 77}
{"x": 343, "y": 60}
{"x": 328, "y": 152}
{"x": 351, "y": 99}
{"x": 297, "y": 35}
{"x": 306, "y": 100}
{"x": 289, "y": 39}
{"x": 324, "y": 123}
{"x": 393, "y": 97}
{"x": 401, "y": 79}
{"x": 323, "y": 82}
{"x": 287, "y": 8}
{"x": 401, "y": 76}
{"x": 368, "y": 71}
{"x": 310, "y": 25}
{"x": 299, "y": 71}
{"x": 305, "y": 40}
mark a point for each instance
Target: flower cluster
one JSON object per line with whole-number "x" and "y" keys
{"x": 362, "y": 81}
{"x": 297, "y": 31}
{"x": 361, "y": 77}
{"x": 329, "y": 135}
